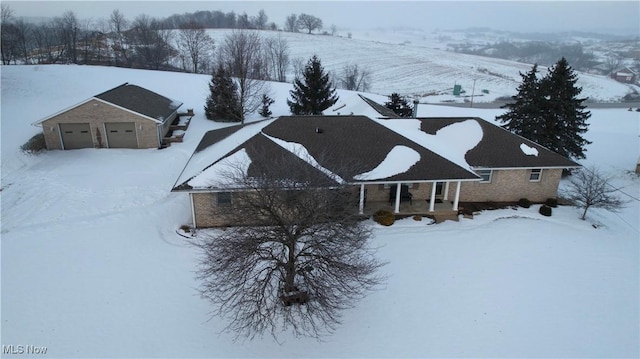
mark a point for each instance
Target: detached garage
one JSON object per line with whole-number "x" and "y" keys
{"x": 127, "y": 116}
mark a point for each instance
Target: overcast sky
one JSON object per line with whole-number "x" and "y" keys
{"x": 522, "y": 16}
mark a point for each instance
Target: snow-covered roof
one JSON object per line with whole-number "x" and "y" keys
{"x": 134, "y": 99}
{"x": 346, "y": 149}
{"x": 451, "y": 142}
{"x": 141, "y": 100}
{"x": 497, "y": 148}
{"x": 215, "y": 145}
{"x": 365, "y": 149}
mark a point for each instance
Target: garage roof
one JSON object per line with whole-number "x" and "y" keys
{"x": 141, "y": 100}
{"x": 132, "y": 98}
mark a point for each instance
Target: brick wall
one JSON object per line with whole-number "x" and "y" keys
{"x": 505, "y": 186}
{"x": 96, "y": 113}
{"x": 510, "y": 186}
{"x": 378, "y": 192}
{"x": 208, "y": 213}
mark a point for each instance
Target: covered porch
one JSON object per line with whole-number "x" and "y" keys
{"x": 415, "y": 198}
{"x": 418, "y": 207}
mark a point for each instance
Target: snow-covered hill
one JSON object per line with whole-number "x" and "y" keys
{"x": 92, "y": 266}
{"x": 429, "y": 74}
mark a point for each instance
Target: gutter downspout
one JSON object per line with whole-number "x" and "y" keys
{"x": 193, "y": 210}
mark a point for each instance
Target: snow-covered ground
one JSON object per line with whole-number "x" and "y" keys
{"x": 414, "y": 68}
{"x": 92, "y": 265}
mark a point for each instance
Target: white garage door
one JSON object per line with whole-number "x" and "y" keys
{"x": 76, "y": 135}
{"x": 121, "y": 134}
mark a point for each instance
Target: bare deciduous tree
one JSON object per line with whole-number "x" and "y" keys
{"x": 69, "y": 27}
{"x": 49, "y": 39}
{"x": 306, "y": 262}
{"x": 118, "y": 24}
{"x": 261, "y": 20}
{"x": 244, "y": 22}
{"x": 242, "y": 53}
{"x": 24, "y": 32}
{"x": 277, "y": 56}
{"x": 194, "y": 46}
{"x": 298, "y": 65}
{"x": 355, "y": 78}
{"x": 309, "y": 22}
{"x": 588, "y": 188}
{"x": 152, "y": 43}
{"x": 8, "y": 32}
{"x": 334, "y": 30}
{"x": 291, "y": 23}
{"x": 612, "y": 63}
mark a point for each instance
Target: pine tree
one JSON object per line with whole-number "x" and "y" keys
{"x": 565, "y": 115}
{"x": 399, "y": 105}
{"x": 266, "y": 102}
{"x": 526, "y": 110}
{"x": 549, "y": 112}
{"x": 223, "y": 103}
{"x": 313, "y": 93}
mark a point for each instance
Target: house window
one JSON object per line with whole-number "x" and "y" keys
{"x": 485, "y": 174}
{"x": 223, "y": 198}
{"x": 535, "y": 175}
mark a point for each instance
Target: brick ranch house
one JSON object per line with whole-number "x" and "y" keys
{"x": 409, "y": 166}
{"x": 127, "y": 116}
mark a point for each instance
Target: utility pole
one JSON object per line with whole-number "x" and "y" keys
{"x": 473, "y": 91}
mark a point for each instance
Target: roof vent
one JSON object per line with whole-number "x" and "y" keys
{"x": 319, "y": 130}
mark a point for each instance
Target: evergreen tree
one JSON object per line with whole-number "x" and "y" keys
{"x": 565, "y": 115}
{"x": 266, "y": 102}
{"x": 223, "y": 103}
{"x": 399, "y": 105}
{"x": 549, "y": 112}
{"x": 313, "y": 93}
{"x": 526, "y": 110}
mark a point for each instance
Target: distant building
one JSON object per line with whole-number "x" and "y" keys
{"x": 625, "y": 75}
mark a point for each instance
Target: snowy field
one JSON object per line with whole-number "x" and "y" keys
{"x": 92, "y": 265}
{"x": 414, "y": 68}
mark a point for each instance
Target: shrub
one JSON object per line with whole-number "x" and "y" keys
{"x": 545, "y": 210}
{"x": 552, "y": 202}
{"x": 35, "y": 145}
{"x": 384, "y": 217}
{"x": 417, "y": 218}
{"x": 524, "y": 203}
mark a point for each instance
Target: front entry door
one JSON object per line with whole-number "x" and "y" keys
{"x": 439, "y": 186}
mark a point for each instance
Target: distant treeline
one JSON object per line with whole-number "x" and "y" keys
{"x": 220, "y": 20}
{"x": 177, "y": 42}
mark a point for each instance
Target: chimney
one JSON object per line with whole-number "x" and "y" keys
{"x": 415, "y": 108}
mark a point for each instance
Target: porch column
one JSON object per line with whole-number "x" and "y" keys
{"x": 432, "y": 200}
{"x": 398, "y": 188}
{"x": 446, "y": 191}
{"x": 457, "y": 198}
{"x": 361, "y": 205}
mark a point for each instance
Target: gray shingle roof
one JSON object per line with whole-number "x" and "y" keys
{"x": 500, "y": 148}
{"x": 354, "y": 145}
{"x": 379, "y": 108}
{"x": 141, "y": 100}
